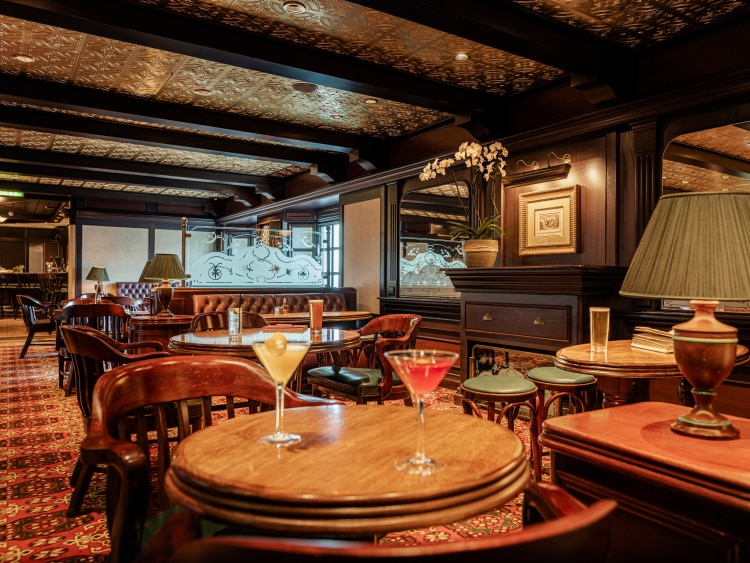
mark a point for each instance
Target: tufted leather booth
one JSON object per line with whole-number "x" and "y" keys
{"x": 264, "y": 303}
{"x": 136, "y": 290}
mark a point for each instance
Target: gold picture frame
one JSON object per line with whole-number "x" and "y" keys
{"x": 548, "y": 221}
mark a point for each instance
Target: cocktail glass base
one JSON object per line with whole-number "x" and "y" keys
{"x": 280, "y": 440}
{"x": 421, "y": 466}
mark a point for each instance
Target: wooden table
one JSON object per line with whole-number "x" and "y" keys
{"x": 218, "y": 342}
{"x": 680, "y": 498}
{"x": 340, "y": 480}
{"x": 618, "y": 369}
{"x": 152, "y": 327}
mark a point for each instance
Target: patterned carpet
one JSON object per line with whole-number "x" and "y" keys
{"x": 40, "y": 430}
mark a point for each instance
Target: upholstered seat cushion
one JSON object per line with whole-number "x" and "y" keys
{"x": 498, "y": 384}
{"x": 359, "y": 382}
{"x": 553, "y": 374}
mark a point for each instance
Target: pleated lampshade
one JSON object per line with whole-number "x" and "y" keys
{"x": 98, "y": 273}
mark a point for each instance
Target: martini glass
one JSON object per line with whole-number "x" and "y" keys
{"x": 281, "y": 359}
{"x": 420, "y": 371}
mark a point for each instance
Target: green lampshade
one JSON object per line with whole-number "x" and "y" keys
{"x": 164, "y": 267}
{"x": 98, "y": 273}
{"x": 695, "y": 246}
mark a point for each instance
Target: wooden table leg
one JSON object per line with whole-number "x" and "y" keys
{"x": 615, "y": 390}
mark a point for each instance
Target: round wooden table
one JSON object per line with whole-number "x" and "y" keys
{"x": 617, "y": 369}
{"x": 217, "y": 342}
{"x": 340, "y": 480}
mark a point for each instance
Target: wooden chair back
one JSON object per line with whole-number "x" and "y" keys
{"x": 160, "y": 394}
{"x": 385, "y": 333}
{"x": 108, "y": 318}
{"x": 219, "y": 320}
{"x": 29, "y": 307}
{"x": 566, "y": 531}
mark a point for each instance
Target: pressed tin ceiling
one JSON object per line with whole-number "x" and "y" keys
{"x": 242, "y": 101}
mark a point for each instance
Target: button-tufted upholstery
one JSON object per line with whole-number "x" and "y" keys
{"x": 215, "y": 302}
{"x": 257, "y": 303}
{"x": 264, "y": 303}
{"x": 136, "y": 290}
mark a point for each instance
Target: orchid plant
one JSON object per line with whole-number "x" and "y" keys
{"x": 485, "y": 164}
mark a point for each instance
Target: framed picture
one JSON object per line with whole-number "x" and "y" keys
{"x": 548, "y": 221}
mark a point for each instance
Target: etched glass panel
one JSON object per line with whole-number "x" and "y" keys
{"x": 235, "y": 257}
{"x": 421, "y": 264}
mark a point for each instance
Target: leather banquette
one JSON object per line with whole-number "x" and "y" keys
{"x": 136, "y": 290}
{"x": 265, "y": 302}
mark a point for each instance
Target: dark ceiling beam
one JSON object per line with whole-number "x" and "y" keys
{"x": 105, "y": 177}
{"x": 66, "y": 124}
{"x": 21, "y": 90}
{"x": 170, "y": 31}
{"x": 508, "y": 27}
{"x": 710, "y": 160}
{"x": 128, "y": 171}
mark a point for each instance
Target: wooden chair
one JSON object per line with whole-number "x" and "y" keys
{"x": 159, "y": 393}
{"x": 376, "y": 381}
{"x": 108, "y": 318}
{"x": 29, "y": 308}
{"x": 578, "y": 388}
{"x": 219, "y": 320}
{"x": 556, "y": 527}
{"x": 92, "y": 353}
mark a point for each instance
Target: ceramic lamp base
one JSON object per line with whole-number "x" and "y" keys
{"x": 705, "y": 350}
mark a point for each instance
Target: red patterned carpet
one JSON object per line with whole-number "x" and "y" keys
{"x": 40, "y": 430}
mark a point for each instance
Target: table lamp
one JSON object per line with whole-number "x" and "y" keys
{"x": 164, "y": 267}
{"x": 697, "y": 247}
{"x": 98, "y": 274}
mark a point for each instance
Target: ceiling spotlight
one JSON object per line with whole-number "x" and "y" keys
{"x": 294, "y": 7}
{"x": 336, "y": 117}
{"x": 304, "y": 87}
{"x": 371, "y": 101}
{"x": 11, "y": 213}
{"x": 3, "y": 219}
{"x": 461, "y": 57}
{"x": 202, "y": 92}
{"x": 24, "y": 58}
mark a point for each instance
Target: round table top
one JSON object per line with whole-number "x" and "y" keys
{"x": 622, "y": 360}
{"x": 340, "y": 480}
{"x": 218, "y": 341}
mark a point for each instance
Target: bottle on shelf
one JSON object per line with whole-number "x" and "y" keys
{"x": 284, "y": 307}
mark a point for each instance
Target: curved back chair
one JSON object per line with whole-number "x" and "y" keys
{"x": 159, "y": 394}
{"x": 108, "y": 318}
{"x": 219, "y": 320}
{"x": 29, "y": 307}
{"x": 92, "y": 353}
{"x": 555, "y": 527}
{"x": 376, "y": 381}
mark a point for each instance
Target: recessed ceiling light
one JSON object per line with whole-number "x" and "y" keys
{"x": 24, "y": 58}
{"x": 461, "y": 57}
{"x": 202, "y": 92}
{"x": 371, "y": 101}
{"x": 304, "y": 87}
{"x": 294, "y": 7}
{"x": 337, "y": 117}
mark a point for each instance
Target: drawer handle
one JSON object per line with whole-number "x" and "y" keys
{"x": 539, "y": 321}
{"x": 487, "y": 317}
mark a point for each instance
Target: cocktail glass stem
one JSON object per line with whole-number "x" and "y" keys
{"x": 420, "y": 457}
{"x": 279, "y": 409}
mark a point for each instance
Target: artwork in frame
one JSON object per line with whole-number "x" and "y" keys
{"x": 548, "y": 221}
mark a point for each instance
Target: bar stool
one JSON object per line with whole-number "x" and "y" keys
{"x": 509, "y": 393}
{"x": 578, "y": 387}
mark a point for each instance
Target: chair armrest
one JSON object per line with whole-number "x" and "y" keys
{"x": 130, "y": 465}
{"x": 545, "y": 501}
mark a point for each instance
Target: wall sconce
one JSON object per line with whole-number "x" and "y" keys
{"x": 534, "y": 174}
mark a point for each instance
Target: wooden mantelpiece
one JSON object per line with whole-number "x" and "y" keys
{"x": 539, "y": 309}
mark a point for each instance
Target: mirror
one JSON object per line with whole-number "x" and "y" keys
{"x": 425, "y": 246}
{"x": 710, "y": 160}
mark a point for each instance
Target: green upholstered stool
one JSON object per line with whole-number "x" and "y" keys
{"x": 504, "y": 396}
{"x": 580, "y": 388}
